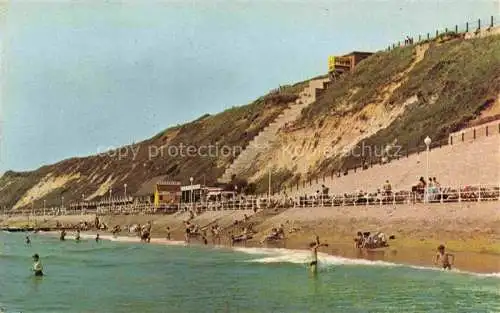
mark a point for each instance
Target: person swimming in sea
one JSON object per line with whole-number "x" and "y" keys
{"x": 314, "y": 246}
{"x": 444, "y": 259}
{"x": 28, "y": 240}
{"x": 37, "y": 265}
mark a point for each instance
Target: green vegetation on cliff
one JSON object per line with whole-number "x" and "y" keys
{"x": 448, "y": 84}
{"x": 138, "y": 163}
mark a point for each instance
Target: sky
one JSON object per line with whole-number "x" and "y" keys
{"x": 78, "y": 77}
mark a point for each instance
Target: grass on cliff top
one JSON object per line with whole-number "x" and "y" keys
{"x": 232, "y": 129}
{"x": 368, "y": 76}
{"x": 453, "y": 83}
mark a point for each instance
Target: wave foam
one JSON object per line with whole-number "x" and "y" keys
{"x": 280, "y": 255}
{"x": 277, "y": 255}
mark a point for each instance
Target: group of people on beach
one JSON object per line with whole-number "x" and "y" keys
{"x": 430, "y": 188}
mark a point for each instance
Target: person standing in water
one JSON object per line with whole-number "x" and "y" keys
{"x": 77, "y": 236}
{"x": 97, "y": 238}
{"x": 314, "y": 246}
{"x": 62, "y": 236}
{"x": 37, "y": 265}
{"x": 444, "y": 259}
{"x": 28, "y": 240}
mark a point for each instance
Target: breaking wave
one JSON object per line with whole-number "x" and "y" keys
{"x": 277, "y": 255}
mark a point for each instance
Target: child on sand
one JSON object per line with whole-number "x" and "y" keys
{"x": 443, "y": 258}
{"x": 168, "y": 233}
{"x": 314, "y": 250}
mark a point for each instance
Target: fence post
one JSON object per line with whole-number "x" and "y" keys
{"x": 437, "y": 33}
{"x": 456, "y": 29}
{"x": 419, "y": 38}
{"x": 459, "y": 195}
{"x": 491, "y": 21}
{"x": 479, "y": 196}
{"x": 474, "y": 133}
{"x": 428, "y": 36}
{"x": 446, "y": 30}
{"x": 467, "y": 27}
{"x": 479, "y": 24}
{"x": 486, "y": 131}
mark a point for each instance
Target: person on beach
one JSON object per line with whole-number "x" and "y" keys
{"x": 77, "y": 236}
{"x": 168, "y": 233}
{"x": 146, "y": 232}
{"x": 314, "y": 246}
{"x": 444, "y": 259}
{"x": 28, "y": 240}
{"x": 37, "y": 265}
{"x": 115, "y": 230}
{"x": 62, "y": 236}
{"x": 188, "y": 232}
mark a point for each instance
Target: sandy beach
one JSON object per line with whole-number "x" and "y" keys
{"x": 471, "y": 231}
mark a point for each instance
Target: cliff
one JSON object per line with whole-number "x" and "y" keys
{"x": 201, "y": 149}
{"x": 387, "y": 106}
{"x": 393, "y": 98}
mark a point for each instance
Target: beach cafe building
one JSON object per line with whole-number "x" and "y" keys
{"x": 202, "y": 196}
{"x": 159, "y": 191}
{"x": 199, "y": 193}
{"x": 338, "y": 65}
{"x": 167, "y": 193}
{"x": 192, "y": 193}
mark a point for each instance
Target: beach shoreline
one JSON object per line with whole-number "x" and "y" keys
{"x": 471, "y": 231}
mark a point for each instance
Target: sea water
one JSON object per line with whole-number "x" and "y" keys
{"x": 114, "y": 276}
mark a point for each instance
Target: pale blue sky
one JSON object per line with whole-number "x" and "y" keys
{"x": 77, "y": 78}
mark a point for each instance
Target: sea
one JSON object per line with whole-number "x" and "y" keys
{"x": 121, "y": 275}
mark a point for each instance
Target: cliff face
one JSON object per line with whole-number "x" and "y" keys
{"x": 201, "y": 149}
{"x": 393, "y": 98}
